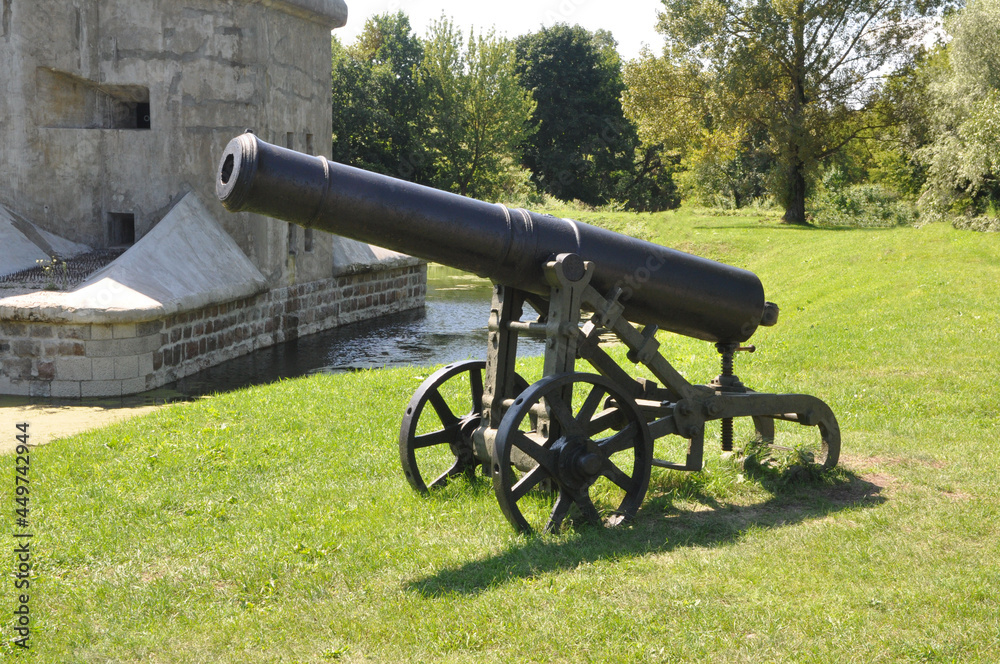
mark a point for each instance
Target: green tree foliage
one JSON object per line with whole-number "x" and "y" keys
{"x": 474, "y": 113}
{"x": 376, "y": 99}
{"x": 580, "y": 135}
{"x": 582, "y": 146}
{"x": 673, "y": 104}
{"x": 802, "y": 71}
{"x": 963, "y": 101}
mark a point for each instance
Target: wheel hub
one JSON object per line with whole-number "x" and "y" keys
{"x": 462, "y": 446}
{"x": 580, "y": 462}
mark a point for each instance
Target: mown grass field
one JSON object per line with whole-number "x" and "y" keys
{"x": 274, "y": 524}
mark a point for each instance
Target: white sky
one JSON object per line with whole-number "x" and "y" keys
{"x": 632, "y": 22}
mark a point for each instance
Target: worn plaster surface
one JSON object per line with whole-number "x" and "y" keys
{"x": 112, "y": 109}
{"x": 23, "y": 245}
{"x": 186, "y": 262}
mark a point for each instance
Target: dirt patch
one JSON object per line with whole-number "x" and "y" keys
{"x": 48, "y": 423}
{"x": 859, "y": 463}
{"x": 867, "y": 488}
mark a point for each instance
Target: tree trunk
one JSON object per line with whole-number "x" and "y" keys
{"x": 795, "y": 202}
{"x": 795, "y": 209}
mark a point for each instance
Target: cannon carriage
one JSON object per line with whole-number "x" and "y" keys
{"x": 573, "y": 442}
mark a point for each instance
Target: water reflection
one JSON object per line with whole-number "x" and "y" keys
{"x": 451, "y": 327}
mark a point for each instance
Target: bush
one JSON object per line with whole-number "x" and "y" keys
{"x": 859, "y": 205}
{"x": 982, "y": 224}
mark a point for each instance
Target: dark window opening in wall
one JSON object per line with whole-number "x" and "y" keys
{"x": 65, "y": 100}
{"x": 290, "y": 140}
{"x": 121, "y": 229}
{"x": 293, "y": 239}
{"x": 309, "y": 144}
{"x": 307, "y": 239}
{"x": 126, "y": 114}
{"x": 142, "y": 117}
{"x": 127, "y": 108}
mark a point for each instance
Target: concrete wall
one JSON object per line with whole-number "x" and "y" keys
{"x": 111, "y": 113}
{"x": 76, "y": 80}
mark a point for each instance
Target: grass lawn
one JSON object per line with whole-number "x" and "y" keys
{"x": 274, "y": 524}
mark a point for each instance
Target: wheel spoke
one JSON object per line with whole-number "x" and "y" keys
{"x": 566, "y": 457}
{"x": 441, "y": 408}
{"x": 562, "y": 414}
{"x": 587, "y": 509}
{"x": 559, "y": 512}
{"x": 432, "y": 437}
{"x": 603, "y": 421}
{"x": 590, "y": 405}
{"x": 476, "y": 385}
{"x": 530, "y": 480}
{"x": 621, "y": 441}
{"x": 616, "y": 475}
{"x": 444, "y": 436}
{"x": 456, "y": 469}
{"x": 542, "y": 455}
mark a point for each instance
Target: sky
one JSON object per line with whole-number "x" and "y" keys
{"x": 632, "y": 22}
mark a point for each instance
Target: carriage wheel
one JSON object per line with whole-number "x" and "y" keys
{"x": 438, "y": 440}
{"x": 594, "y": 448}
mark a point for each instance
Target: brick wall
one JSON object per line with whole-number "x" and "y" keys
{"x": 111, "y": 359}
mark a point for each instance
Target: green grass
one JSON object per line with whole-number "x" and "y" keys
{"x": 274, "y": 524}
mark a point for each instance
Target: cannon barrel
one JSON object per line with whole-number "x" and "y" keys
{"x": 677, "y": 291}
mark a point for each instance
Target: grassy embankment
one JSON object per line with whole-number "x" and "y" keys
{"x": 274, "y": 524}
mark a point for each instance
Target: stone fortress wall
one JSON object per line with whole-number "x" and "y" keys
{"x": 112, "y": 116}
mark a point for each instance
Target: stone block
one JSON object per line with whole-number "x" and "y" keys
{"x": 123, "y": 330}
{"x": 46, "y": 371}
{"x": 17, "y": 368}
{"x": 126, "y": 367}
{"x": 101, "y": 388}
{"x": 103, "y": 368}
{"x": 79, "y": 332}
{"x": 101, "y": 332}
{"x": 25, "y": 348}
{"x": 9, "y": 329}
{"x": 40, "y": 331}
{"x": 15, "y": 387}
{"x": 148, "y": 328}
{"x": 74, "y": 368}
{"x": 38, "y": 388}
{"x": 123, "y": 347}
{"x": 145, "y": 364}
{"x": 65, "y": 389}
{"x": 134, "y": 385}
{"x": 103, "y": 347}
{"x": 63, "y": 349}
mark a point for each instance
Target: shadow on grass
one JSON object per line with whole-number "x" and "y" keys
{"x": 661, "y": 527}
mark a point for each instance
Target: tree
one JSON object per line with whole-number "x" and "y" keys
{"x": 376, "y": 99}
{"x": 474, "y": 112}
{"x": 581, "y": 137}
{"x": 963, "y": 101}
{"x": 673, "y": 106}
{"x": 805, "y": 70}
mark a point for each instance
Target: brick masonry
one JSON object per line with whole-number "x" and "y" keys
{"x": 111, "y": 359}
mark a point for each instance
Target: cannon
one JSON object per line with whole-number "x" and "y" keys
{"x": 571, "y": 444}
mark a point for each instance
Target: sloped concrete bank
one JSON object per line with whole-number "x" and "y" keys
{"x": 182, "y": 299}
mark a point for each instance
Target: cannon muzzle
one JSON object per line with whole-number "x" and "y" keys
{"x": 677, "y": 291}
